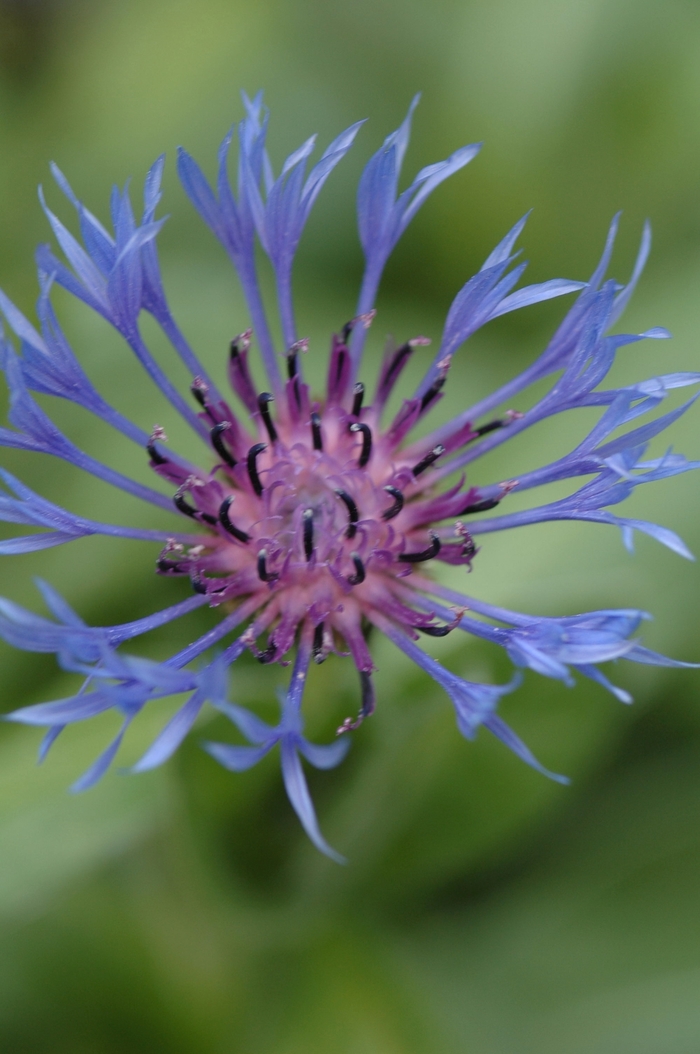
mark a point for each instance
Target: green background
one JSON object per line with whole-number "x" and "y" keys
{"x": 484, "y": 910}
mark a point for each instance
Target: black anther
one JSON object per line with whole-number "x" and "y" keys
{"x": 307, "y": 521}
{"x": 492, "y": 426}
{"x": 264, "y": 399}
{"x": 183, "y": 505}
{"x": 480, "y": 506}
{"x": 367, "y": 691}
{"x": 155, "y": 457}
{"x": 358, "y": 392}
{"x": 427, "y": 554}
{"x": 469, "y": 548}
{"x": 431, "y": 393}
{"x": 428, "y": 460}
{"x": 200, "y": 390}
{"x": 216, "y": 436}
{"x": 316, "y": 436}
{"x": 347, "y": 330}
{"x": 263, "y": 574}
{"x": 360, "y": 573}
{"x": 400, "y": 356}
{"x": 268, "y": 655}
{"x": 169, "y": 567}
{"x": 199, "y": 586}
{"x": 366, "y": 451}
{"x": 396, "y": 508}
{"x": 319, "y": 657}
{"x": 253, "y": 467}
{"x": 292, "y": 363}
{"x": 437, "y": 631}
{"x": 352, "y": 512}
{"x": 226, "y": 521}
{"x": 240, "y": 343}
{"x": 208, "y": 518}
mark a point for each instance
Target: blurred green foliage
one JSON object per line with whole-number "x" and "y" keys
{"x": 484, "y": 910}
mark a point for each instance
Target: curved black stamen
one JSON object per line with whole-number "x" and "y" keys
{"x": 307, "y": 521}
{"x": 396, "y": 508}
{"x": 292, "y": 363}
{"x": 398, "y": 361}
{"x": 358, "y": 392}
{"x": 426, "y": 554}
{"x": 352, "y": 512}
{"x": 268, "y": 655}
{"x": 431, "y": 393}
{"x": 366, "y": 451}
{"x": 366, "y": 706}
{"x": 437, "y": 631}
{"x": 480, "y": 506}
{"x": 360, "y": 573}
{"x": 183, "y": 505}
{"x": 226, "y": 521}
{"x": 264, "y": 400}
{"x": 216, "y": 436}
{"x": 428, "y": 460}
{"x": 263, "y": 574}
{"x": 200, "y": 390}
{"x": 155, "y": 457}
{"x": 316, "y": 437}
{"x": 170, "y": 567}
{"x": 319, "y": 657}
{"x": 253, "y": 467}
{"x": 199, "y": 586}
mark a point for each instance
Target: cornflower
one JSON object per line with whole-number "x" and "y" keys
{"x": 318, "y": 518}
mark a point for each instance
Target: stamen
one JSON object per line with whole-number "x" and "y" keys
{"x": 267, "y": 656}
{"x": 292, "y": 365}
{"x": 427, "y": 554}
{"x": 428, "y": 460}
{"x": 442, "y": 631}
{"x": 217, "y": 442}
{"x": 184, "y": 506}
{"x": 365, "y": 319}
{"x": 366, "y": 707}
{"x": 169, "y": 567}
{"x": 200, "y": 390}
{"x": 199, "y": 586}
{"x": 360, "y": 573}
{"x": 366, "y": 443}
{"x": 264, "y": 399}
{"x": 352, "y": 512}
{"x": 316, "y": 436}
{"x": 396, "y": 508}
{"x": 480, "y": 506}
{"x": 158, "y": 434}
{"x": 253, "y": 468}
{"x": 155, "y": 457}
{"x": 226, "y": 521}
{"x": 501, "y": 422}
{"x": 431, "y": 393}
{"x": 468, "y": 544}
{"x": 240, "y": 344}
{"x": 358, "y": 392}
{"x": 319, "y": 657}
{"x": 307, "y": 520}
{"x": 263, "y": 574}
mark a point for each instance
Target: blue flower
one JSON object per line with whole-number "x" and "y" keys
{"x": 310, "y": 523}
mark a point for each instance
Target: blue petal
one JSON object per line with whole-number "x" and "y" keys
{"x": 298, "y": 794}
{"x": 238, "y": 759}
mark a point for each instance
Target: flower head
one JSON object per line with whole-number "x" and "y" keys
{"x": 316, "y": 515}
